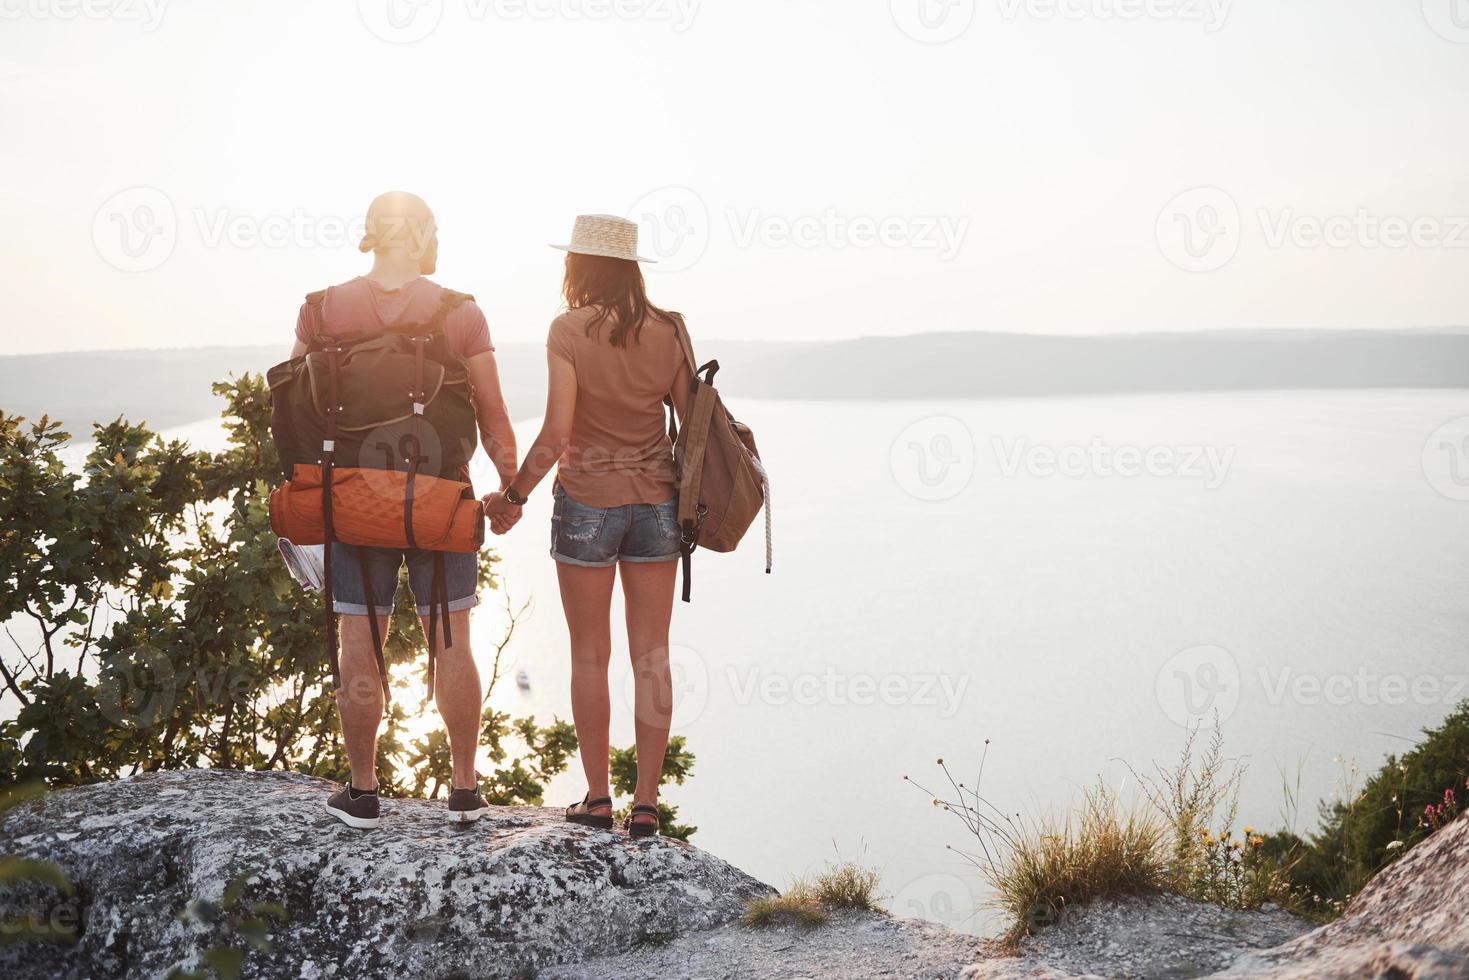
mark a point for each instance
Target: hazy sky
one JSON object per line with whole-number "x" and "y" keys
{"x": 178, "y": 174}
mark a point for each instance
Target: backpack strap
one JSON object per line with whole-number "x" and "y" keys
{"x": 314, "y": 303}
{"x": 449, "y": 301}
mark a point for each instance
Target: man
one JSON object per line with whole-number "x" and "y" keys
{"x": 402, "y": 236}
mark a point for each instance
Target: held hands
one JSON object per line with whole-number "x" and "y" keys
{"x": 502, "y": 513}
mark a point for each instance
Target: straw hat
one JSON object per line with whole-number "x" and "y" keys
{"x": 606, "y": 235}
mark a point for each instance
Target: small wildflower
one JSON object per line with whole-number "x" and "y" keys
{"x": 1256, "y": 841}
{"x": 1249, "y": 831}
{"x": 1394, "y": 845}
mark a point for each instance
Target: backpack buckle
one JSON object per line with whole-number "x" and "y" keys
{"x": 328, "y": 445}
{"x": 418, "y": 408}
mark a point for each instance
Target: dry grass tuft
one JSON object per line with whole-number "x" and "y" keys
{"x": 799, "y": 905}
{"x": 847, "y": 886}
{"x": 1101, "y": 852}
{"x": 808, "y": 902}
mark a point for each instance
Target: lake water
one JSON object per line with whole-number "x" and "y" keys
{"x": 947, "y": 573}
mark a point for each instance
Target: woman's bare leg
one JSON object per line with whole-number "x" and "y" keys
{"x": 586, "y": 597}
{"x": 647, "y": 588}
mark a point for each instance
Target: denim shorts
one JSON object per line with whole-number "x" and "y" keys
{"x": 601, "y": 536}
{"x": 461, "y": 578}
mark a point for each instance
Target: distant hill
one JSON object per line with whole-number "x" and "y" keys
{"x": 960, "y": 365}
{"x": 171, "y": 387}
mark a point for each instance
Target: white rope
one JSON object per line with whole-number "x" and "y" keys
{"x": 765, "y": 488}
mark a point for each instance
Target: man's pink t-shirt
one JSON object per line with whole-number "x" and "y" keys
{"x": 362, "y": 306}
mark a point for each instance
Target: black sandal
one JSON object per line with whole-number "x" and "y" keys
{"x": 589, "y": 819}
{"x": 643, "y": 828}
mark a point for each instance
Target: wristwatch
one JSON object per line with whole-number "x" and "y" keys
{"x": 514, "y": 498}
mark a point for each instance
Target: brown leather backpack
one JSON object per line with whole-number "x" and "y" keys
{"x": 721, "y": 482}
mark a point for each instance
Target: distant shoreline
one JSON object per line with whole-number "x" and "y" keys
{"x": 171, "y": 387}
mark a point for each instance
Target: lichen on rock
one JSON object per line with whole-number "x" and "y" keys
{"x": 517, "y": 891}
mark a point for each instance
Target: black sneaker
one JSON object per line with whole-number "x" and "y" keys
{"x": 355, "y": 807}
{"x": 466, "y": 805}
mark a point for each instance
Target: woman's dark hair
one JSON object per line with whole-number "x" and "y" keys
{"x": 616, "y": 289}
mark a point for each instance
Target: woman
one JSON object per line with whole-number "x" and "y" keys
{"x": 613, "y": 357}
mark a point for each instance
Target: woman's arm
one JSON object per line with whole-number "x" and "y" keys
{"x": 555, "y": 429}
{"x": 680, "y": 393}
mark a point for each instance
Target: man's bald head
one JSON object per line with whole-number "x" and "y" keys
{"x": 400, "y": 222}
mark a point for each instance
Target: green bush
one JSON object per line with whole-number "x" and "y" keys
{"x": 1362, "y": 834}
{"x": 678, "y": 762}
{"x": 152, "y": 625}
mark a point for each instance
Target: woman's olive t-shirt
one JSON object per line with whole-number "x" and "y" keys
{"x": 619, "y": 451}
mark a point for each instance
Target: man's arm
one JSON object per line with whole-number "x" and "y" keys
{"x": 495, "y": 431}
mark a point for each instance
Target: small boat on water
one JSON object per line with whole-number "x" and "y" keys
{"x": 522, "y": 679}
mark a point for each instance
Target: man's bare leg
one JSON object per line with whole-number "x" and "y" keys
{"x": 360, "y": 701}
{"x": 459, "y": 697}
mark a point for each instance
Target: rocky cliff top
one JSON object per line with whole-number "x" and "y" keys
{"x": 509, "y": 895}
{"x": 522, "y": 893}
